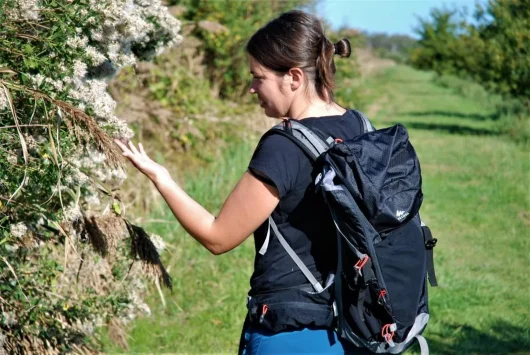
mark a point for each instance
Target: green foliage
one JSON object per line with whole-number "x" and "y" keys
{"x": 223, "y": 27}
{"x": 494, "y": 51}
{"x": 347, "y": 92}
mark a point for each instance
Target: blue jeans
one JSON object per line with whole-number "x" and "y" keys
{"x": 305, "y": 341}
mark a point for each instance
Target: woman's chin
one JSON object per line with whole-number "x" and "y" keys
{"x": 270, "y": 113}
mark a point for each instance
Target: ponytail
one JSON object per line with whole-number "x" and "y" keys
{"x": 325, "y": 65}
{"x": 325, "y": 69}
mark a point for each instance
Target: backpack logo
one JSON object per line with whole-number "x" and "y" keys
{"x": 401, "y": 215}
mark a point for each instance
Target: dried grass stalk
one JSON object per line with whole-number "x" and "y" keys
{"x": 105, "y": 232}
{"x": 143, "y": 248}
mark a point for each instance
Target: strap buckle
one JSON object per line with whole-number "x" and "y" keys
{"x": 429, "y": 244}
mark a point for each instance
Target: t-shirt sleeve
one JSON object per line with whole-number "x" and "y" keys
{"x": 276, "y": 161}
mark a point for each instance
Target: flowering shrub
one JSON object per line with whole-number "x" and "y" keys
{"x": 70, "y": 260}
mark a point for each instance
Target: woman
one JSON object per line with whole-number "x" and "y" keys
{"x": 292, "y": 65}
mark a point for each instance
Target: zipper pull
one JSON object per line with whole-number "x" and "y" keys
{"x": 264, "y": 310}
{"x": 381, "y": 299}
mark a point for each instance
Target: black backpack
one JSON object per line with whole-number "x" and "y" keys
{"x": 372, "y": 186}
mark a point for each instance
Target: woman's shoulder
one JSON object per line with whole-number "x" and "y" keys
{"x": 344, "y": 126}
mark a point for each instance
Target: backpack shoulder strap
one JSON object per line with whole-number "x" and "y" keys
{"x": 316, "y": 285}
{"x": 313, "y": 146}
{"x": 304, "y": 137}
{"x": 367, "y": 125}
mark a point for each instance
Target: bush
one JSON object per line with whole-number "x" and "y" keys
{"x": 68, "y": 252}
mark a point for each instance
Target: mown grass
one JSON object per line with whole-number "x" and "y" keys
{"x": 477, "y": 202}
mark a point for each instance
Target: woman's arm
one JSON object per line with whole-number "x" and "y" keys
{"x": 249, "y": 204}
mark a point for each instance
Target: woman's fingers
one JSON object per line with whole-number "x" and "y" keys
{"x": 123, "y": 147}
{"x": 133, "y": 148}
{"x": 131, "y": 152}
{"x": 142, "y": 150}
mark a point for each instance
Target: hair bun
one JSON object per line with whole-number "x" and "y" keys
{"x": 343, "y": 48}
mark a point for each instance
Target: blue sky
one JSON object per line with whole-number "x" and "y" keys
{"x": 390, "y": 16}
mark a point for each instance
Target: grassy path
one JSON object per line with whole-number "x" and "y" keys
{"x": 476, "y": 187}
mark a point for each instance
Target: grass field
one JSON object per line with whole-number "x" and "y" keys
{"x": 477, "y": 203}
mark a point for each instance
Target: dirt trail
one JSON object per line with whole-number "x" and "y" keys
{"x": 369, "y": 64}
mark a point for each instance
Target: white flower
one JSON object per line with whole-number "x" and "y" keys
{"x": 58, "y": 85}
{"x": 9, "y": 318}
{"x": 139, "y": 304}
{"x": 12, "y": 247}
{"x": 77, "y": 42}
{"x": 92, "y": 200}
{"x": 12, "y": 159}
{"x": 37, "y": 79}
{"x": 18, "y": 230}
{"x": 118, "y": 174}
{"x": 100, "y": 175}
{"x": 72, "y": 213}
{"x": 28, "y": 10}
{"x": 31, "y": 142}
{"x": 96, "y": 35}
{"x": 3, "y": 100}
{"x": 94, "y": 93}
{"x": 68, "y": 179}
{"x": 58, "y": 188}
{"x": 91, "y": 159}
{"x": 95, "y": 56}
{"x": 80, "y": 69}
{"x": 80, "y": 178}
{"x": 126, "y": 59}
{"x": 87, "y": 327}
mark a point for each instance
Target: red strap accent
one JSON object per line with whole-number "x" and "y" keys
{"x": 361, "y": 262}
{"x": 386, "y": 334}
{"x": 286, "y": 122}
{"x": 264, "y": 309}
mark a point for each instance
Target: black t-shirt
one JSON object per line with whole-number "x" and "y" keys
{"x": 300, "y": 215}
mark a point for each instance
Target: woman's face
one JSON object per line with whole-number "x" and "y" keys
{"x": 272, "y": 88}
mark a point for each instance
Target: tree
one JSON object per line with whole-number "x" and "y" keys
{"x": 494, "y": 51}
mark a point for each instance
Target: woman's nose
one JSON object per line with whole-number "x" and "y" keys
{"x": 251, "y": 90}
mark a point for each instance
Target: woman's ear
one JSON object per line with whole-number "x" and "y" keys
{"x": 297, "y": 77}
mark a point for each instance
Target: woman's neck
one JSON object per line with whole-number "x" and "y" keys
{"x": 315, "y": 108}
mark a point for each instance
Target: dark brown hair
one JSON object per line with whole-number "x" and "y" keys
{"x": 296, "y": 40}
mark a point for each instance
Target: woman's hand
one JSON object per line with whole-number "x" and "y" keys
{"x": 142, "y": 162}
